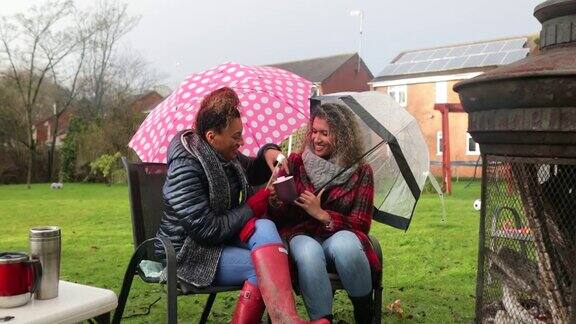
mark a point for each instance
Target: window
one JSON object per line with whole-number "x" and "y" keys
{"x": 48, "y": 132}
{"x": 442, "y": 92}
{"x": 472, "y": 148}
{"x": 399, "y": 93}
{"x": 439, "y": 143}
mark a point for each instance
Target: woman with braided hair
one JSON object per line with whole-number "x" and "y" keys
{"x": 213, "y": 217}
{"x": 329, "y": 230}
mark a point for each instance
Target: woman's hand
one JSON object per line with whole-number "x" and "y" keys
{"x": 258, "y": 202}
{"x": 311, "y": 204}
{"x": 273, "y": 199}
{"x": 270, "y": 155}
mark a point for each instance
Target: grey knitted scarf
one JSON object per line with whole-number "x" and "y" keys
{"x": 320, "y": 171}
{"x": 196, "y": 263}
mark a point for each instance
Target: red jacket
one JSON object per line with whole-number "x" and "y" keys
{"x": 350, "y": 206}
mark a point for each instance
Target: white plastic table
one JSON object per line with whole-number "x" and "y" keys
{"x": 75, "y": 303}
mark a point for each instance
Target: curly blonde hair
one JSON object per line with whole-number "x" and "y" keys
{"x": 347, "y": 143}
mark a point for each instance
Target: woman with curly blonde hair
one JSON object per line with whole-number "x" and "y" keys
{"x": 328, "y": 231}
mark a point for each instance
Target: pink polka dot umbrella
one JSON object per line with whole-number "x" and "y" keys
{"x": 274, "y": 103}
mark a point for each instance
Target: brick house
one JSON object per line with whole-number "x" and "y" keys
{"x": 346, "y": 72}
{"x": 421, "y": 79}
{"x": 146, "y": 101}
{"x": 43, "y": 129}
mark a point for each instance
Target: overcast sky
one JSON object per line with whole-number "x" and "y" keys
{"x": 179, "y": 37}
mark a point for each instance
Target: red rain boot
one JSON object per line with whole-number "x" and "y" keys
{"x": 250, "y": 306}
{"x": 271, "y": 264}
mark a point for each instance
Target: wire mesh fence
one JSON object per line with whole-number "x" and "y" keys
{"x": 528, "y": 257}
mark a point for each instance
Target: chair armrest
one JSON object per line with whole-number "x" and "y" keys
{"x": 131, "y": 271}
{"x": 376, "y": 246}
{"x": 377, "y": 277}
{"x": 170, "y": 259}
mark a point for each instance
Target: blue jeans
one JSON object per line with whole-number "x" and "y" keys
{"x": 342, "y": 253}
{"x": 235, "y": 264}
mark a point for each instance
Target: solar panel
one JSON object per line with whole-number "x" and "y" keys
{"x": 438, "y": 65}
{"x": 475, "y": 49}
{"x": 455, "y": 63}
{"x": 458, "y": 51}
{"x": 389, "y": 69}
{"x": 408, "y": 57}
{"x": 474, "y": 60}
{"x": 403, "y": 68}
{"x": 494, "y": 47}
{"x": 457, "y": 57}
{"x": 494, "y": 58}
{"x": 514, "y": 56}
{"x": 514, "y": 44}
{"x": 420, "y": 67}
{"x": 441, "y": 53}
{"x": 424, "y": 55}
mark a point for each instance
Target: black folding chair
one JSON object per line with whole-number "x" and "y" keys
{"x": 145, "y": 181}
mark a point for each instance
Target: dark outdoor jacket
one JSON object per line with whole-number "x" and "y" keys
{"x": 187, "y": 209}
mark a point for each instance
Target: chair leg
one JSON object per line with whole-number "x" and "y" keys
{"x": 126, "y": 284}
{"x": 377, "y": 315}
{"x": 172, "y": 302}
{"x": 207, "y": 308}
{"x": 131, "y": 272}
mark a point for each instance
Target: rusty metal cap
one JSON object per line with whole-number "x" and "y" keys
{"x": 558, "y": 18}
{"x": 554, "y": 8}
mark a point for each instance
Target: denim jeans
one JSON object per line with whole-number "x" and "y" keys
{"x": 235, "y": 264}
{"x": 342, "y": 253}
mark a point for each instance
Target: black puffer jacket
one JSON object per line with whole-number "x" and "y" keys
{"x": 186, "y": 198}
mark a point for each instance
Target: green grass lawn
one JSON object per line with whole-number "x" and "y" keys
{"x": 431, "y": 268}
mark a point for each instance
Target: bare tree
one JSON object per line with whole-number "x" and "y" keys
{"x": 33, "y": 44}
{"x": 130, "y": 76}
{"x": 133, "y": 74}
{"x": 111, "y": 21}
{"x": 12, "y": 128}
{"x": 68, "y": 81}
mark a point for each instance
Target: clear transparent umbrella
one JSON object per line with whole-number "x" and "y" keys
{"x": 395, "y": 149}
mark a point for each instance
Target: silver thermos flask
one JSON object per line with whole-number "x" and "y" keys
{"x": 45, "y": 245}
